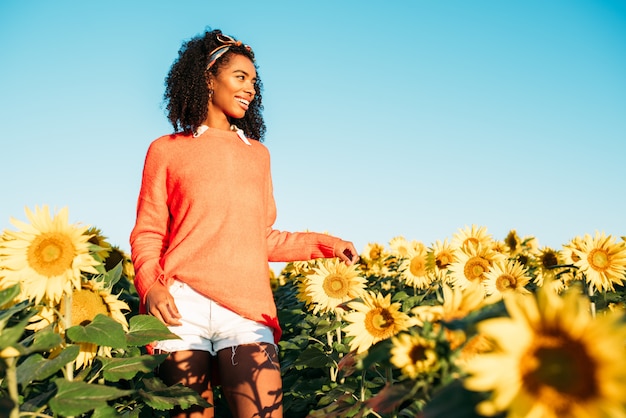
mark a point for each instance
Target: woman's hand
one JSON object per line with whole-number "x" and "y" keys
{"x": 346, "y": 252}
{"x": 160, "y": 304}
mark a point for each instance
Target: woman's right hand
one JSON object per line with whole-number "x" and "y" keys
{"x": 160, "y": 304}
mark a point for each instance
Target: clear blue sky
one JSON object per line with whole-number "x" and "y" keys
{"x": 384, "y": 118}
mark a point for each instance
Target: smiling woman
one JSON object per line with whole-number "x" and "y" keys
{"x": 203, "y": 235}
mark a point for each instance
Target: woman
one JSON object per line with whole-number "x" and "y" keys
{"x": 203, "y": 235}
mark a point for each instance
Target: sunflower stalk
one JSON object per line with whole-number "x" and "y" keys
{"x": 11, "y": 378}
{"x": 67, "y": 322}
{"x": 333, "y": 371}
{"x": 389, "y": 375}
{"x": 362, "y": 386}
{"x": 592, "y": 303}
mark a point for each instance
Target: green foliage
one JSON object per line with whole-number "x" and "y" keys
{"x": 37, "y": 367}
{"x": 322, "y": 375}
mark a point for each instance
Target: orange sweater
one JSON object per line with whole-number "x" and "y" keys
{"x": 204, "y": 217}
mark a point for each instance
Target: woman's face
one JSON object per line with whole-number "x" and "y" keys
{"x": 233, "y": 88}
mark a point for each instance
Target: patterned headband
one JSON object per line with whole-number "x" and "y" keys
{"x": 227, "y": 42}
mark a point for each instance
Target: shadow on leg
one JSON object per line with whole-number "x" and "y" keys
{"x": 251, "y": 381}
{"x": 192, "y": 369}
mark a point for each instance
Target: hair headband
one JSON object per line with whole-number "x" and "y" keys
{"x": 227, "y": 42}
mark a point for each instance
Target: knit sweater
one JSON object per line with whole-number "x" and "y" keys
{"x": 204, "y": 217}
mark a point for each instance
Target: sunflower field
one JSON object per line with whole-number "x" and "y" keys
{"x": 467, "y": 326}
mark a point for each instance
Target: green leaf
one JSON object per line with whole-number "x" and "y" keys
{"x": 103, "y": 331}
{"x": 324, "y": 326}
{"x": 6, "y": 314}
{"x": 105, "y": 412}
{"x": 145, "y": 329}
{"x": 378, "y": 354}
{"x": 116, "y": 369}
{"x": 161, "y": 397}
{"x": 35, "y": 367}
{"x": 12, "y": 335}
{"x": 113, "y": 276}
{"x": 9, "y": 294}
{"x": 75, "y": 398}
{"x": 43, "y": 341}
{"x": 313, "y": 356}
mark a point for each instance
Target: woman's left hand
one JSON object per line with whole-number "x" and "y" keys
{"x": 346, "y": 252}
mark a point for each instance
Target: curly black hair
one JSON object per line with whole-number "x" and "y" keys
{"x": 186, "y": 89}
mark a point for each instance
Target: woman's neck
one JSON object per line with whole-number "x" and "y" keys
{"x": 217, "y": 122}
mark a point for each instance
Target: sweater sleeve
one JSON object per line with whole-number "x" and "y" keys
{"x": 294, "y": 246}
{"x": 149, "y": 237}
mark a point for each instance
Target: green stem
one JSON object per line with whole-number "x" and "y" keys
{"x": 333, "y": 370}
{"x": 389, "y": 375}
{"x": 362, "y": 385}
{"x": 67, "y": 322}
{"x": 593, "y": 304}
{"x": 11, "y": 376}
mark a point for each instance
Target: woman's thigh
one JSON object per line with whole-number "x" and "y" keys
{"x": 251, "y": 380}
{"x": 192, "y": 368}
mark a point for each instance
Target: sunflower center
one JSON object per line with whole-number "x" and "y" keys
{"x": 417, "y": 267}
{"x": 549, "y": 259}
{"x": 335, "y": 286}
{"x": 512, "y": 241}
{"x": 86, "y": 304}
{"x": 375, "y": 252}
{"x": 559, "y": 371}
{"x": 506, "y": 282}
{"x": 443, "y": 260}
{"x": 598, "y": 259}
{"x": 418, "y": 353}
{"x": 51, "y": 254}
{"x": 379, "y": 323}
{"x": 475, "y": 268}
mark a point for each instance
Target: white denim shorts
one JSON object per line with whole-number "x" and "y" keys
{"x": 208, "y": 326}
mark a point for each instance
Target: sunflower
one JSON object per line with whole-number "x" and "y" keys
{"x": 552, "y": 359}
{"x": 506, "y": 276}
{"x": 472, "y": 237}
{"x": 472, "y": 263}
{"x": 570, "y": 255}
{"x": 276, "y": 282}
{"x": 440, "y": 256}
{"x": 333, "y": 282}
{"x": 563, "y": 281}
{"x": 602, "y": 261}
{"x": 92, "y": 299}
{"x": 296, "y": 269}
{"x": 413, "y": 268}
{"x": 96, "y": 238}
{"x": 88, "y": 302}
{"x": 413, "y": 354}
{"x": 302, "y": 294}
{"x": 513, "y": 242}
{"x": 374, "y": 252}
{"x": 399, "y": 246}
{"x": 547, "y": 259}
{"x": 499, "y": 247}
{"x": 373, "y": 260}
{"x": 457, "y": 304}
{"x": 373, "y": 320}
{"x": 47, "y": 256}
